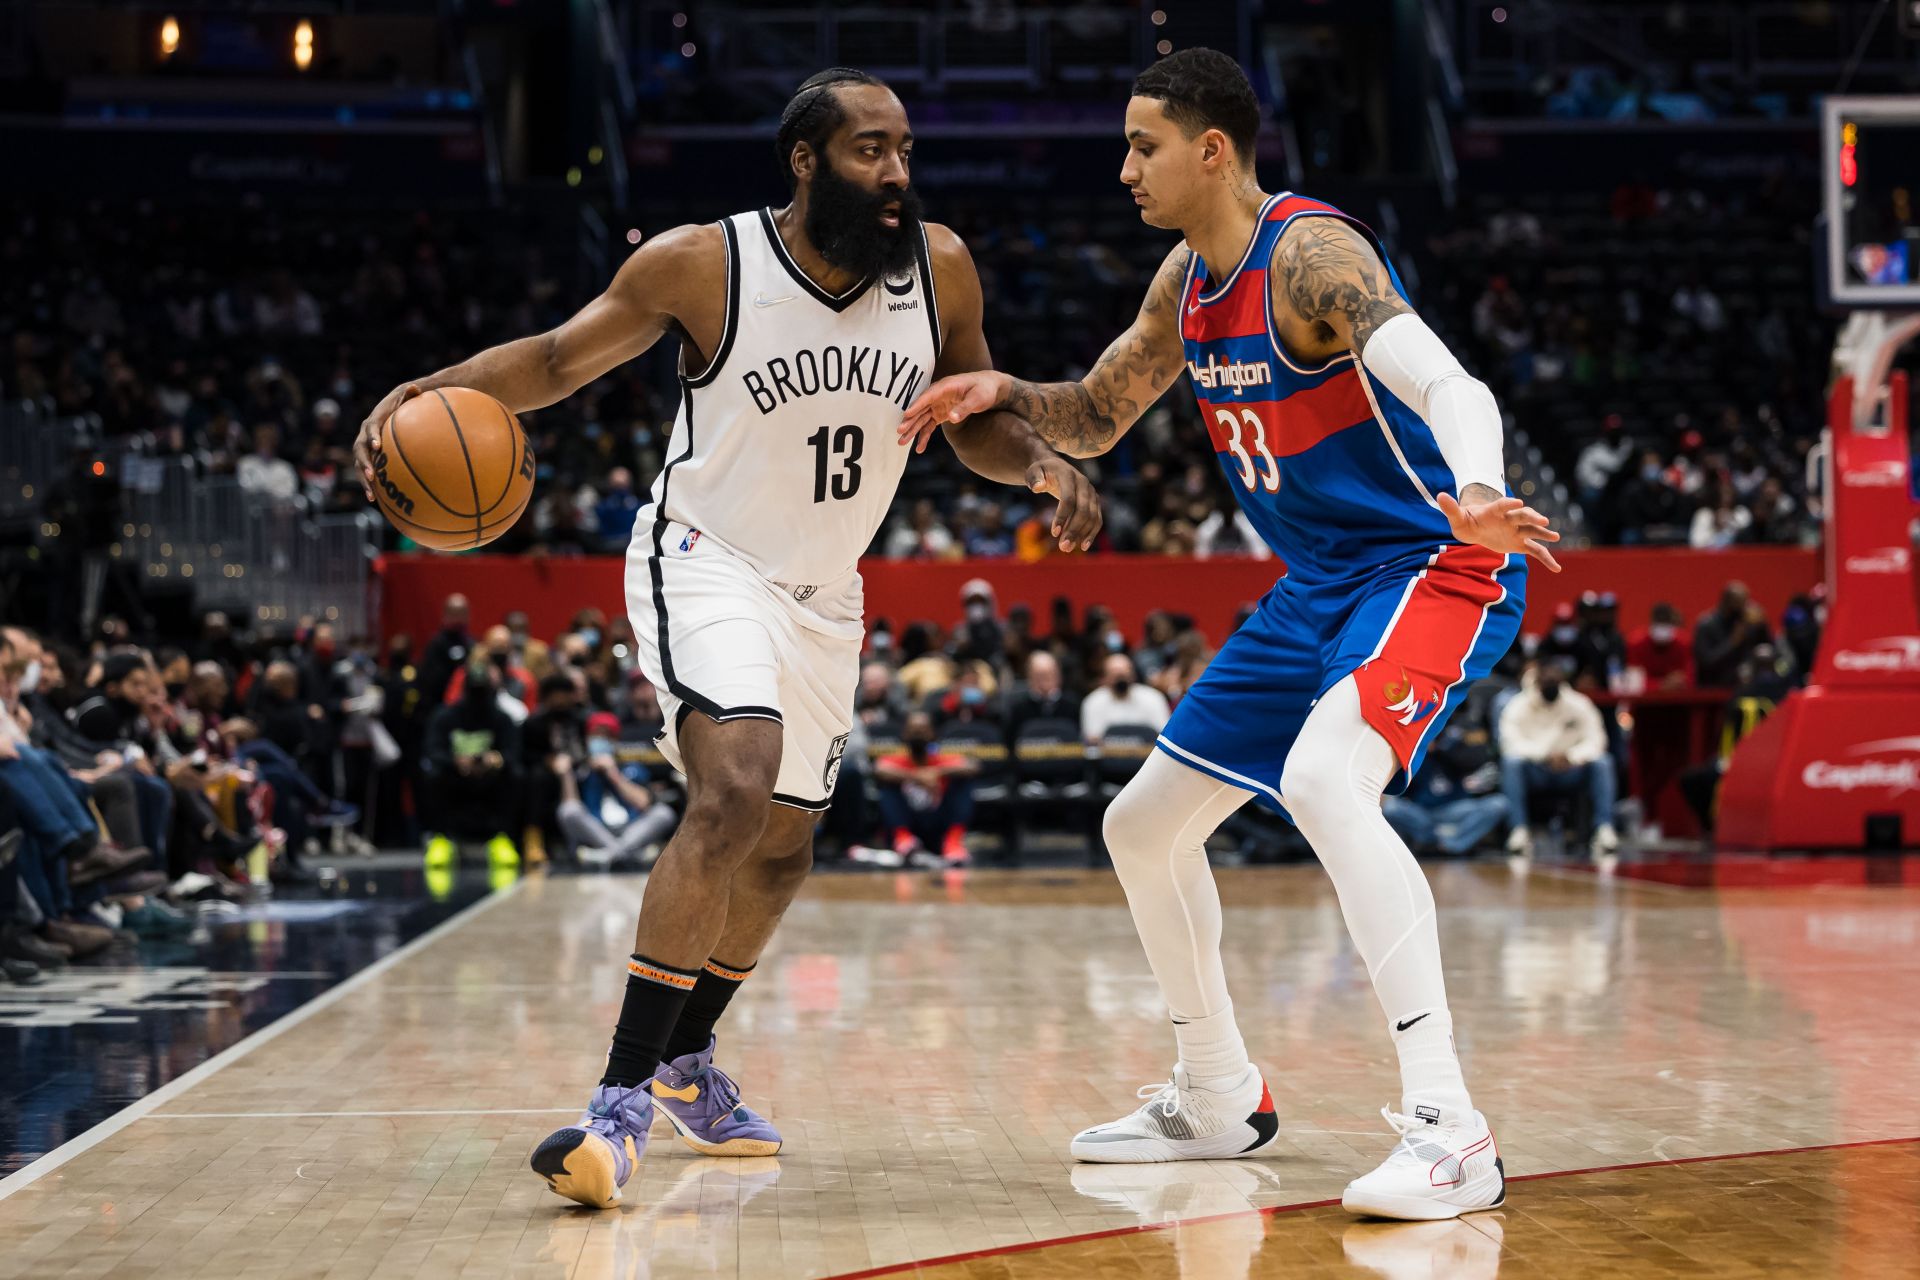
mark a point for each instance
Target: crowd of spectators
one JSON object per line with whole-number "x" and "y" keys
{"x": 254, "y": 345}
{"x": 144, "y": 784}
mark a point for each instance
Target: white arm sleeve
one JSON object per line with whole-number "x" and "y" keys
{"x": 1410, "y": 360}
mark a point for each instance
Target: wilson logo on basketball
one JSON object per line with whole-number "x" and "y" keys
{"x": 395, "y": 494}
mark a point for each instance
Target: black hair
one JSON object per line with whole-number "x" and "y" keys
{"x": 813, "y": 113}
{"x": 119, "y": 665}
{"x": 1204, "y": 89}
{"x": 558, "y": 682}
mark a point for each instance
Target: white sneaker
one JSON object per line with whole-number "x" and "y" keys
{"x": 1605, "y": 840}
{"x": 1446, "y": 1164}
{"x": 1520, "y": 842}
{"x": 1180, "y": 1122}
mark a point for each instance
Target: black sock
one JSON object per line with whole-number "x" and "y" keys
{"x": 711, "y": 992}
{"x": 655, "y": 994}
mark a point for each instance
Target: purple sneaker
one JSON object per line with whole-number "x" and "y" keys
{"x": 704, "y": 1105}
{"x": 590, "y": 1162}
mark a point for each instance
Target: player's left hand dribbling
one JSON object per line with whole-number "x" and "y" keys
{"x": 1078, "y": 517}
{"x": 1507, "y": 525}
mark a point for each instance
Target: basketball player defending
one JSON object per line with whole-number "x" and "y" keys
{"x": 1371, "y": 462}
{"x": 804, "y": 334}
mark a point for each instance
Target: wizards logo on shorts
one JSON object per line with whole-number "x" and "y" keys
{"x": 686, "y": 543}
{"x": 1405, "y": 702}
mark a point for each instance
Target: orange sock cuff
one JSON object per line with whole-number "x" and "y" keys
{"x": 664, "y": 974}
{"x": 727, "y": 971}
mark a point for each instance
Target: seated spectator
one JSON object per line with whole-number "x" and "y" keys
{"x": 926, "y": 796}
{"x": 971, "y": 696}
{"x": 613, "y": 514}
{"x": 989, "y": 538}
{"x": 1454, "y": 802}
{"x": 878, "y": 697}
{"x": 1191, "y": 654}
{"x": 1045, "y": 697}
{"x": 264, "y": 471}
{"x": 1776, "y": 516}
{"x": 924, "y": 667}
{"x": 1601, "y": 651}
{"x": 979, "y": 636}
{"x": 1553, "y": 741}
{"x": 1122, "y": 700}
{"x": 1726, "y": 636}
{"x": 518, "y": 688}
{"x": 1663, "y": 650}
{"x": 1720, "y": 523}
{"x": 641, "y": 720}
{"x": 470, "y": 773}
{"x": 920, "y": 536}
{"x": 607, "y": 811}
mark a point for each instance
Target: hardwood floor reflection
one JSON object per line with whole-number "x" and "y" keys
{"x": 928, "y": 1044}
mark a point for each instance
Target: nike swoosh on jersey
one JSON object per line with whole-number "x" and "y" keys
{"x": 762, "y": 300}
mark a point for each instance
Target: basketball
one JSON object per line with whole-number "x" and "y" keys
{"x": 454, "y": 470}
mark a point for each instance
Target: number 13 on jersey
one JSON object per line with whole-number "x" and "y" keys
{"x": 1246, "y": 440}
{"x": 846, "y": 444}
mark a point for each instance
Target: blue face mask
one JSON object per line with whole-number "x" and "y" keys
{"x": 592, "y": 636}
{"x": 972, "y": 697}
{"x": 599, "y": 746}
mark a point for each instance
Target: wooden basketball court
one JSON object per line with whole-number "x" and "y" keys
{"x": 1684, "y": 1081}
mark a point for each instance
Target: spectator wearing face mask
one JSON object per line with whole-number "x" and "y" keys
{"x": 509, "y": 677}
{"x": 607, "y": 811}
{"x": 1562, "y": 641}
{"x": 1553, "y": 741}
{"x": 1122, "y": 700}
{"x": 1663, "y": 650}
{"x": 979, "y": 636}
{"x": 926, "y": 796}
{"x": 446, "y": 652}
{"x": 470, "y": 776}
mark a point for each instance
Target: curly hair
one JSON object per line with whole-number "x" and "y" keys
{"x": 813, "y": 113}
{"x": 1204, "y": 89}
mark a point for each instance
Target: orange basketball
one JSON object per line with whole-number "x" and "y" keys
{"x": 454, "y": 470}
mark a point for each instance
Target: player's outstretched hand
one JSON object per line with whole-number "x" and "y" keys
{"x": 1506, "y": 525}
{"x": 367, "y": 443}
{"x": 1078, "y": 517}
{"x": 950, "y": 400}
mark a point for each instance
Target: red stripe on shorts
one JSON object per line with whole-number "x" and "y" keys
{"x": 1424, "y": 653}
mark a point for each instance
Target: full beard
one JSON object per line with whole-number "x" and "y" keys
{"x": 843, "y": 222}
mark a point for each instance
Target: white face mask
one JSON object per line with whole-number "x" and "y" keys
{"x": 30, "y": 678}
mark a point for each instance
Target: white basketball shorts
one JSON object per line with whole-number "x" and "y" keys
{"x": 718, "y": 639}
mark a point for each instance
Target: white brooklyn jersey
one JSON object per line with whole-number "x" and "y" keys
{"x": 784, "y": 449}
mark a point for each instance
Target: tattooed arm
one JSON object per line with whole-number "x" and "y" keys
{"x": 1081, "y": 418}
{"x": 1330, "y": 291}
{"x": 1331, "y": 294}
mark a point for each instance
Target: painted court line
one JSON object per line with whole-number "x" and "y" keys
{"x": 22, "y": 1178}
{"x": 1030, "y": 1246}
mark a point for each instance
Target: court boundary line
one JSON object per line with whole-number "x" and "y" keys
{"x": 22, "y": 1178}
{"x": 1267, "y": 1211}
{"x": 329, "y": 1115}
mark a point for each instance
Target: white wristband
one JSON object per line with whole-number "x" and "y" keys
{"x": 1410, "y": 360}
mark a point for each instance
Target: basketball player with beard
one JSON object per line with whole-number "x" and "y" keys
{"x": 804, "y": 334}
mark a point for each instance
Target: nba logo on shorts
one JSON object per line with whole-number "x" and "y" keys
{"x": 831, "y": 774}
{"x": 686, "y": 543}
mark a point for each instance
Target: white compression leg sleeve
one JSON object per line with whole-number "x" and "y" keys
{"x": 1334, "y": 778}
{"x": 1157, "y": 829}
